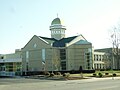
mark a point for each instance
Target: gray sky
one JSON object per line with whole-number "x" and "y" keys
{"x": 21, "y": 19}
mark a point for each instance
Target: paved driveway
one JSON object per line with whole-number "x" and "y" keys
{"x": 37, "y": 84}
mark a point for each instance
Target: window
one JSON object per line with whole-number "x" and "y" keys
{"x": 63, "y": 65}
{"x": 94, "y": 57}
{"x": 51, "y": 32}
{"x": 27, "y": 56}
{"x": 3, "y": 68}
{"x": 97, "y": 57}
{"x": 89, "y": 50}
{"x": 35, "y": 45}
{"x": 88, "y": 59}
{"x": 62, "y": 54}
{"x": 100, "y": 66}
{"x": 100, "y": 57}
{"x": 97, "y": 66}
{"x": 43, "y": 55}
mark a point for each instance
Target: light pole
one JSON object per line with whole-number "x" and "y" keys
{"x": 112, "y": 60}
{"x": 52, "y": 58}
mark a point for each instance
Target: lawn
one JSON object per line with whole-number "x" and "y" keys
{"x": 110, "y": 72}
{"x": 67, "y": 76}
{"x": 104, "y": 73}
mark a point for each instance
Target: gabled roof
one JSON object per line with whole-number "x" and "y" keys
{"x": 63, "y": 41}
{"x": 83, "y": 42}
{"x": 49, "y": 40}
{"x": 58, "y": 43}
{"x": 44, "y": 39}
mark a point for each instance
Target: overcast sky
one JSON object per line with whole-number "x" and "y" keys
{"x": 20, "y": 20}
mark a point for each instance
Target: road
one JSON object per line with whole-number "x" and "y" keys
{"x": 37, "y": 84}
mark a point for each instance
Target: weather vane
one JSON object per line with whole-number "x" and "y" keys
{"x": 57, "y": 15}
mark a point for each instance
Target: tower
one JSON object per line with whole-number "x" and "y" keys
{"x": 57, "y": 29}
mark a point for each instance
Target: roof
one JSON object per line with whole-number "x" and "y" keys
{"x": 63, "y": 41}
{"x": 107, "y": 50}
{"x": 83, "y": 42}
{"x": 50, "y": 40}
{"x": 56, "y": 21}
{"x": 58, "y": 43}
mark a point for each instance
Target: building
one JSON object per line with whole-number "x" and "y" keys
{"x": 101, "y": 61}
{"x": 113, "y": 57}
{"x": 58, "y": 53}
{"x": 10, "y": 64}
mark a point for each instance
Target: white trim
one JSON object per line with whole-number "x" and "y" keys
{"x": 43, "y": 40}
{"x": 79, "y": 37}
{"x": 11, "y": 60}
{"x": 98, "y": 62}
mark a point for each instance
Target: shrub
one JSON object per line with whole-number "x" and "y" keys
{"x": 100, "y": 74}
{"x": 94, "y": 74}
{"x": 66, "y": 75}
{"x": 58, "y": 73}
{"x": 106, "y": 73}
{"x": 44, "y": 72}
{"x": 52, "y": 74}
{"x": 114, "y": 75}
{"x": 72, "y": 71}
{"x": 47, "y": 73}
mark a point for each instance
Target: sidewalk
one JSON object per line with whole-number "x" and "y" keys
{"x": 92, "y": 79}
{"x": 105, "y": 78}
{"x": 77, "y": 79}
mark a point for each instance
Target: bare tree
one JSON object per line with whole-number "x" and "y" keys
{"x": 115, "y": 38}
{"x": 55, "y": 59}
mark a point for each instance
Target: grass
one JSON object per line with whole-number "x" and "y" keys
{"x": 87, "y": 75}
{"x": 79, "y": 75}
{"x": 110, "y": 73}
{"x": 84, "y": 75}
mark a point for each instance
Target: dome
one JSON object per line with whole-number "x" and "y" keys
{"x": 56, "y": 21}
